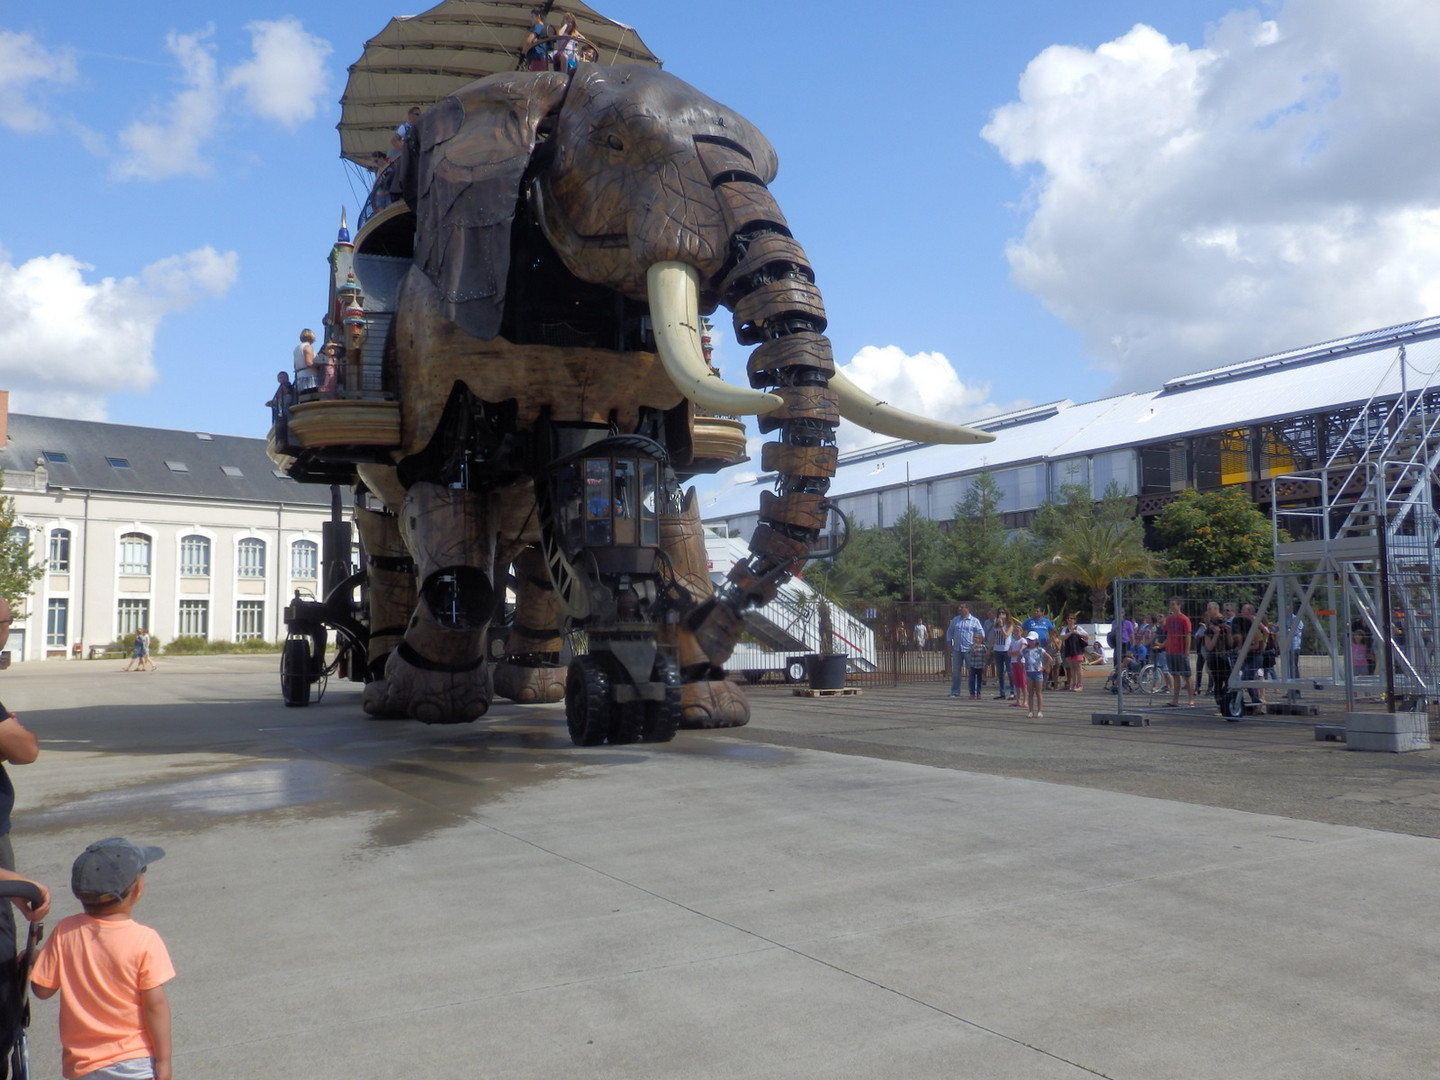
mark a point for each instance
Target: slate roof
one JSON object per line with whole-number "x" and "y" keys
{"x": 123, "y": 459}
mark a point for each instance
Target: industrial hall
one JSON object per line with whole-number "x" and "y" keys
{"x": 1272, "y": 424}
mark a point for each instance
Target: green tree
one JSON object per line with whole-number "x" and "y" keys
{"x": 1047, "y": 529}
{"x": 875, "y": 566}
{"x": 1215, "y": 534}
{"x": 18, "y": 568}
{"x": 986, "y": 562}
{"x": 1090, "y": 544}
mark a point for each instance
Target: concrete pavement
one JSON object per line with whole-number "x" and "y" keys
{"x": 891, "y": 885}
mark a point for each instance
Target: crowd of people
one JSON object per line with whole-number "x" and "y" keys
{"x": 1198, "y": 657}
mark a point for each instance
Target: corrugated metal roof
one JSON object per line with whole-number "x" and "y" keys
{"x": 1334, "y": 375}
{"x": 119, "y": 458}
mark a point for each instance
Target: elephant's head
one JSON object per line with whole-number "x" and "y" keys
{"x": 645, "y": 186}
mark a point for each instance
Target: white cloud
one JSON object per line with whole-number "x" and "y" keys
{"x": 282, "y": 82}
{"x": 66, "y": 343}
{"x": 24, "y": 62}
{"x": 1197, "y": 206}
{"x": 172, "y": 144}
{"x": 286, "y": 78}
{"x": 925, "y": 383}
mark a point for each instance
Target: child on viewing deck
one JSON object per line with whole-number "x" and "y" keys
{"x": 109, "y": 971}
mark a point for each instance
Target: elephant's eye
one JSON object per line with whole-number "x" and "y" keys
{"x": 613, "y": 141}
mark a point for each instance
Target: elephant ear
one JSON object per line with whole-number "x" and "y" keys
{"x": 461, "y": 173}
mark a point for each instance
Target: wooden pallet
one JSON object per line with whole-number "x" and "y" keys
{"x": 847, "y": 691}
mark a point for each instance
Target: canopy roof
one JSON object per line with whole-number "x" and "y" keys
{"x": 419, "y": 59}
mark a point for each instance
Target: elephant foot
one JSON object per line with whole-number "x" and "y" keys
{"x": 529, "y": 685}
{"x": 713, "y": 703}
{"x": 432, "y": 697}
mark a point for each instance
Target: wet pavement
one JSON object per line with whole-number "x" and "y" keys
{"x": 892, "y": 885}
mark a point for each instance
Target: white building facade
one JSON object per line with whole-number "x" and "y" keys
{"x": 180, "y": 532}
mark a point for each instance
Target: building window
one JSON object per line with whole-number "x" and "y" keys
{"x": 60, "y": 551}
{"x": 194, "y": 556}
{"x": 134, "y": 553}
{"x": 249, "y": 620}
{"x": 131, "y": 616}
{"x": 57, "y": 624}
{"x": 194, "y": 619}
{"x": 305, "y": 559}
{"x": 252, "y": 558}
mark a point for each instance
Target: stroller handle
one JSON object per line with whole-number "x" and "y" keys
{"x": 22, "y": 890}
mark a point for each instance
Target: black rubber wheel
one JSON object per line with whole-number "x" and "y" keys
{"x": 795, "y": 671}
{"x": 588, "y": 706}
{"x": 295, "y": 671}
{"x": 662, "y": 718}
{"x": 1235, "y": 705}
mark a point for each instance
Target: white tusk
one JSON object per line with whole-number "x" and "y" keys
{"x": 675, "y": 312}
{"x": 864, "y": 409}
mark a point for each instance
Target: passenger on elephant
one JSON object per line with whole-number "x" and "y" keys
{"x": 380, "y": 196}
{"x": 599, "y": 507}
{"x": 397, "y": 138}
{"x": 571, "y": 47}
{"x": 327, "y": 367}
{"x": 306, "y": 375}
{"x": 282, "y": 399}
{"x": 537, "y": 49}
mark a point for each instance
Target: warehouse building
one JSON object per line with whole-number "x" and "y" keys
{"x": 1261, "y": 424}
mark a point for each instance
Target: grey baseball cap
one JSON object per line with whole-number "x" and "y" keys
{"x": 107, "y": 868}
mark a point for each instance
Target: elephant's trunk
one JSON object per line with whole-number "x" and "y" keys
{"x": 770, "y": 289}
{"x": 768, "y": 285}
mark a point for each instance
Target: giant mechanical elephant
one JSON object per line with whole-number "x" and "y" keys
{"x": 569, "y": 233}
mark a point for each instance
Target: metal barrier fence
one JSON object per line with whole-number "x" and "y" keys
{"x": 1285, "y": 647}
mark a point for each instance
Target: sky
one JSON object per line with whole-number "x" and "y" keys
{"x": 1013, "y": 204}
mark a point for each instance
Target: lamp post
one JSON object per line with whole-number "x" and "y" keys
{"x": 910, "y": 530}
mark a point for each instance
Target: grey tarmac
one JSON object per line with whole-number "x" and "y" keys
{"x": 886, "y": 885}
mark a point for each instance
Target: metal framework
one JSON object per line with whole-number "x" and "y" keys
{"x": 1373, "y": 527}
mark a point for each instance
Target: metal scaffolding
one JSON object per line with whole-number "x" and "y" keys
{"x": 1366, "y": 568}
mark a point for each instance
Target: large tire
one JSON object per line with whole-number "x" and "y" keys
{"x": 295, "y": 671}
{"x": 662, "y": 718}
{"x": 588, "y": 704}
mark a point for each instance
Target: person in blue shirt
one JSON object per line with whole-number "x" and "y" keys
{"x": 961, "y": 635}
{"x": 1039, "y": 624}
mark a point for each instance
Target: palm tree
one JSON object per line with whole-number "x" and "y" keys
{"x": 1093, "y": 552}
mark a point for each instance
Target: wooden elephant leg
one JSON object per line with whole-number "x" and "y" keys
{"x": 707, "y": 700}
{"x": 437, "y": 673}
{"x": 530, "y": 672}
{"x": 390, "y": 582}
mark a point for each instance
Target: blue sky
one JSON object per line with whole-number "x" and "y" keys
{"x": 1019, "y": 203}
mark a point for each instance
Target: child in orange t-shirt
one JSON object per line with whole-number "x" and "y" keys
{"x": 110, "y": 971}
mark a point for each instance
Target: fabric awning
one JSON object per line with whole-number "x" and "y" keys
{"x": 419, "y": 59}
